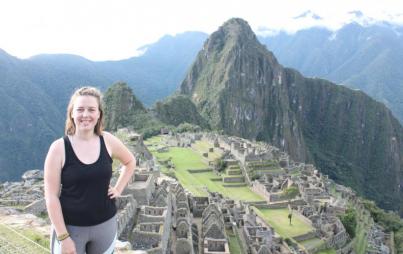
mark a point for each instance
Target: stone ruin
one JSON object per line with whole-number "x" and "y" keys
{"x": 141, "y": 187}
{"x": 182, "y": 221}
{"x": 152, "y": 231}
{"x": 28, "y": 194}
{"x": 213, "y": 231}
{"x": 260, "y": 237}
{"x": 127, "y": 211}
{"x": 198, "y": 204}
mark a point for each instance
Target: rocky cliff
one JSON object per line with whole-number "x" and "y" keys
{"x": 238, "y": 86}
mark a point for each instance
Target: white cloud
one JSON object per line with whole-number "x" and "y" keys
{"x": 105, "y": 29}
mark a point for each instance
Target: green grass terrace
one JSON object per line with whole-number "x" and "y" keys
{"x": 278, "y": 219}
{"x": 197, "y": 183}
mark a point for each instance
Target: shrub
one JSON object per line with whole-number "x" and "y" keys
{"x": 349, "y": 220}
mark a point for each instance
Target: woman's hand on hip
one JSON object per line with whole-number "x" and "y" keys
{"x": 113, "y": 192}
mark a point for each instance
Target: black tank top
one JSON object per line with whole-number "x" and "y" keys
{"x": 84, "y": 194}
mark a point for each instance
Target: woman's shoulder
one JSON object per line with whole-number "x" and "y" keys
{"x": 107, "y": 136}
{"x": 111, "y": 140}
{"x": 56, "y": 149}
{"x": 57, "y": 144}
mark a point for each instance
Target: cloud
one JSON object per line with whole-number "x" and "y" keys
{"x": 357, "y": 14}
{"x": 308, "y": 14}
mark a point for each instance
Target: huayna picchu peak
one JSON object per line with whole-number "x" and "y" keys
{"x": 238, "y": 86}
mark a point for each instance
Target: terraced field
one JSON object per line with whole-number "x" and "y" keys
{"x": 312, "y": 243}
{"x": 198, "y": 183}
{"x": 278, "y": 219}
{"x": 203, "y": 147}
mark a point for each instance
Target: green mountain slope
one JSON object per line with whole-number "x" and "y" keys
{"x": 29, "y": 121}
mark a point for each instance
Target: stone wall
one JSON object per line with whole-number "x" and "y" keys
{"x": 153, "y": 219}
{"x": 14, "y": 202}
{"x": 141, "y": 240}
{"x": 234, "y": 172}
{"x": 200, "y": 170}
{"x": 337, "y": 241}
{"x": 183, "y": 246}
{"x": 127, "y": 209}
{"x": 37, "y": 207}
{"x": 141, "y": 188}
{"x": 304, "y": 237}
{"x": 235, "y": 185}
{"x": 239, "y": 179}
{"x": 348, "y": 248}
{"x": 214, "y": 246}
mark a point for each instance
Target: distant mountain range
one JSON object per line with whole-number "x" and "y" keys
{"x": 368, "y": 58}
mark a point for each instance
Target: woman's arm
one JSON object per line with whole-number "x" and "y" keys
{"x": 122, "y": 153}
{"x": 52, "y": 177}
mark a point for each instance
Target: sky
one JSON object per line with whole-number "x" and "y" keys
{"x": 115, "y": 29}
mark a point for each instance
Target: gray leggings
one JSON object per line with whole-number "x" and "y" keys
{"x": 98, "y": 239}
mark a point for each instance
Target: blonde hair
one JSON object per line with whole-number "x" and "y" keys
{"x": 70, "y": 127}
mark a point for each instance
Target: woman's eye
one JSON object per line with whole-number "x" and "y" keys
{"x": 80, "y": 109}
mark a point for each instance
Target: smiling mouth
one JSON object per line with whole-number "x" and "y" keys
{"x": 86, "y": 122}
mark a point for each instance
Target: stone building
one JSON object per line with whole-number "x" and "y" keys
{"x": 152, "y": 232}
{"x": 127, "y": 209}
{"x": 182, "y": 221}
{"x": 213, "y": 231}
{"x": 198, "y": 204}
{"x": 141, "y": 187}
{"x": 258, "y": 236}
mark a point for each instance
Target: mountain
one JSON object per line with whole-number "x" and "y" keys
{"x": 179, "y": 109}
{"x": 120, "y": 106}
{"x": 238, "y": 86}
{"x": 34, "y": 93}
{"x": 29, "y": 120}
{"x": 361, "y": 57}
{"x": 158, "y": 72}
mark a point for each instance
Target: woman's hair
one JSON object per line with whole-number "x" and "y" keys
{"x": 70, "y": 127}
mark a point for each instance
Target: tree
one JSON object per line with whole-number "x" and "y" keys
{"x": 349, "y": 220}
{"x": 220, "y": 164}
{"x": 290, "y": 192}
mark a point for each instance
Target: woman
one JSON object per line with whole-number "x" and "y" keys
{"x": 78, "y": 169}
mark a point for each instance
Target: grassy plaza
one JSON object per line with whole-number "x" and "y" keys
{"x": 198, "y": 183}
{"x": 278, "y": 219}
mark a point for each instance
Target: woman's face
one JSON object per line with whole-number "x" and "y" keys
{"x": 85, "y": 112}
